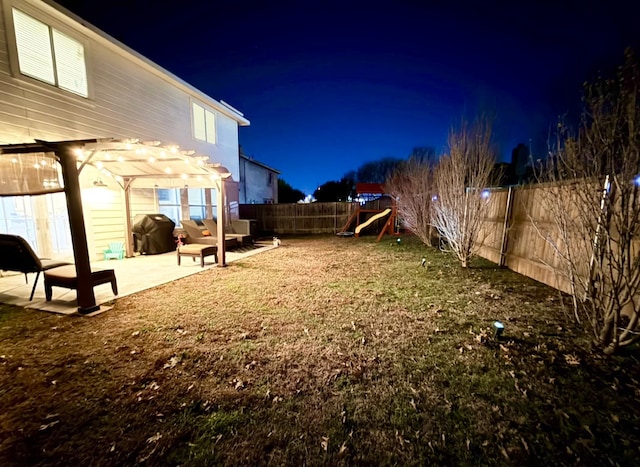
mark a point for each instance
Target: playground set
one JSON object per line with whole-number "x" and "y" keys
{"x": 371, "y": 191}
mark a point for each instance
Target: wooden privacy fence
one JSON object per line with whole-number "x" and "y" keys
{"x": 511, "y": 233}
{"x": 302, "y": 218}
{"x": 510, "y": 229}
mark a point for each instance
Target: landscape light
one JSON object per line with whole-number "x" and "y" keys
{"x": 498, "y": 328}
{"x": 485, "y": 194}
{"x": 637, "y": 180}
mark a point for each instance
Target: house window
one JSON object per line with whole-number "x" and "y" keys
{"x": 46, "y": 54}
{"x": 204, "y": 124}
{"x": 269, "y": 179}
{"x": 197, "y": 204}
{"x": 169, "y": 203}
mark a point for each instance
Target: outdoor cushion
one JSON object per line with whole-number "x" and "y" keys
{"x": 66, "y": 276}
{"x": 197, "y": 250}
{"x": 213, "y": 228}
{"x": 194, "y": 235}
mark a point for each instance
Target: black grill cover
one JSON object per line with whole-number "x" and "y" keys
{"x": 153, "y": 234}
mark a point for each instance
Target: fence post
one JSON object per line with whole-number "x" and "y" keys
{"x": 505, "y": 228}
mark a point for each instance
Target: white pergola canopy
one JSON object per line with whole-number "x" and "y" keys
{"x": 148, "y": 164}
{"x": 50, "y": 167}
{"x": 28, "y": 169}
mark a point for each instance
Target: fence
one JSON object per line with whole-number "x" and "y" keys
{"x": 511, "y": 233}
{"x": 303, "y": 218}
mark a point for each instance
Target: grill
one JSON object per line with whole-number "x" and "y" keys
{"x": 153, "y": 234}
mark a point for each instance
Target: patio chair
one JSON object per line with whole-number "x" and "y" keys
{"x": 17, "y": 255}
{"x": 115, "y": 251}
{"x": 195, "y": 235}
{"x": 212, "y": 226}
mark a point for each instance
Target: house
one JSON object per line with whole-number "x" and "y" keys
{"x": 258, "y": 182}
{"x": 62, "y": 79}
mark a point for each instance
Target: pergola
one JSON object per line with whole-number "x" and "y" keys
{"x": 52, "y": 167}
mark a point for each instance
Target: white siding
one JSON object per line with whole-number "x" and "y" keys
{"x": 103, "y": 212}
{"x": 127, "y": 98}
{"x": 255, "y": 187}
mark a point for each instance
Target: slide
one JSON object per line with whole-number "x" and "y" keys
{"x": 384, "y": 213}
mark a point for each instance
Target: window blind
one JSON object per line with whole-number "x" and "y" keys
{"x": 70, "y": 65}
{"x": 199, "y": 127}
{"x": 34, "y": 47}
{"x": 211, "y": 126}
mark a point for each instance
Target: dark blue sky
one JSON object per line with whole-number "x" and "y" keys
{"x": 329, "y": 85}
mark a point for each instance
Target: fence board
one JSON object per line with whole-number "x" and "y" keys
{"x": 299, "y": 218}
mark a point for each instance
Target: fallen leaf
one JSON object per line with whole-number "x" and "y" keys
{"x": 48, "y": 425}
{"x": 325, "y": 443}
{"x": 155, "y": 438}
{"x": 173, "y": 361}
{"x": 571, "y": 359}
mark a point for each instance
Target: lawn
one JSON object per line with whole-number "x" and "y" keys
{"x": 325, "y": 351}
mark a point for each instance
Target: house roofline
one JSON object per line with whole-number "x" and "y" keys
{"x": 62, "y": 14}
{"x": 253, "y": 161}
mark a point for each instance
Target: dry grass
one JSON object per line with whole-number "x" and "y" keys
{"x": 325, "y": 351}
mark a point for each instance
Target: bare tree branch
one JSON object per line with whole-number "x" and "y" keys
{"x": 593, "y": 199}
{"x": 460, "y": 178}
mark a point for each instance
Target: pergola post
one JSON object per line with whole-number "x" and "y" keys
{"x": 220, "y": 223}
{"x": 128, "y": 244}
{"x": 85, "y": 296}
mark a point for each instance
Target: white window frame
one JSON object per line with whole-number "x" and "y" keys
{"x": 60, "y": 65}
{"x": 199, "y": 207}
{"x": 203, "y": 123}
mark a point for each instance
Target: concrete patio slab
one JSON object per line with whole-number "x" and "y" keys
{"x": 133, "y": 275}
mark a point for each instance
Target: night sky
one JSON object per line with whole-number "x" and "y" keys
{"x": 329, "y": 85}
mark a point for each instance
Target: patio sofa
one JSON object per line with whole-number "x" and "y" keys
{"x": 17, "y": 255}
{"x": 195, "y": 235}
{"x": 243, "y": 239}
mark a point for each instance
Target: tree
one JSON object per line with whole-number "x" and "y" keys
{"x": 593, "y": 197}
{"x": 411, "y": 185}
{"x": 460, "y": 177}
{"x": 288, "y": 194}
{"x": 342, "y": 190}
{"x": 377, "y": 171}
{"x": 425, "y": 154}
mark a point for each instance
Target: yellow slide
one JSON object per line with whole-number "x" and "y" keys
{"x": 372, "y": 219}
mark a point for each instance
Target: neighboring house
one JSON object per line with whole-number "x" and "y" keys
{"x": 63, "y": 79}
{"x": 258, "y": 182}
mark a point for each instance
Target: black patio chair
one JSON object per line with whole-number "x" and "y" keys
{"x": 17, "y": 255}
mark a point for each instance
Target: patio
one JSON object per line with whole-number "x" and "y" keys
{"x": 133, "y": 275}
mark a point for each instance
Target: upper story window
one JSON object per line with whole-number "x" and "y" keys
{"x": 204, "y": 124}
{"x": 46, "y": 54}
